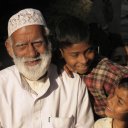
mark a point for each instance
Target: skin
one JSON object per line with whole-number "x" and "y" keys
{"x": 78, "y": 57}
{"x": 28, "y": 42}
{"x": 120, "y": 55}
{"x": 117, "y": 108}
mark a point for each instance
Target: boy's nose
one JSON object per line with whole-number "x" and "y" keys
{"x": 83, "y": 59}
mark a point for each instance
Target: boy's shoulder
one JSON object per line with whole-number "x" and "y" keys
{"x": 107, "y": 64}
{"x": 103, "y": 123}
{"x": 54, "y": 72}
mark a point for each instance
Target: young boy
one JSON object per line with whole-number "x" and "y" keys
{"x": 117, "y": 108}
{"x": 80, "y": 54}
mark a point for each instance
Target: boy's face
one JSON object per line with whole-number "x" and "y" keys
{"x": 117, "y": 105}
{"x": 79, "y": 57}
{"x": 119, "y": 55}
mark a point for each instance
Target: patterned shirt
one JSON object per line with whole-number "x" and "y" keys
{"x": 101, "y": 82}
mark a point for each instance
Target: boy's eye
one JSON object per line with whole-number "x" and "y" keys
{"x": 74, "y": 54}
{"x": 91, "y": 49}
{"x": 120, "y": 102}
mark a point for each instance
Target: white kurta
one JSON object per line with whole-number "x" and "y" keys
{"x": 62, "y": 103}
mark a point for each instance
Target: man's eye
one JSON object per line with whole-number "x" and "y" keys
{"x": 21, "y": 45}
{"x": 39, "y": 43}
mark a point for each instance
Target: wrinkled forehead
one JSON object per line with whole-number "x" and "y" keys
{"x": 31, "y": 33}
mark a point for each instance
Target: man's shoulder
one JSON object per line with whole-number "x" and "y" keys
{"x": 9, "y": 71}
{"x": 9, "y": 77}
{"x": 10, "y": 68}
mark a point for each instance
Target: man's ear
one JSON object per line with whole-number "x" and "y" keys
{"x": 9, "y": 47}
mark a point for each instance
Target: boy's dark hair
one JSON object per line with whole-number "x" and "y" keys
{"x": 123, "y": 83}
{"x": 67, "y": 31}
{"x": 70, "y": 30}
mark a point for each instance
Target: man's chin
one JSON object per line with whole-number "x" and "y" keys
{"x": 34, "y": 69}
{"x": 33, "y": 76}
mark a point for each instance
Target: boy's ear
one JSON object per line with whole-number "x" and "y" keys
{"x": 62, "y": 52}
{"x": 9, "y": 47}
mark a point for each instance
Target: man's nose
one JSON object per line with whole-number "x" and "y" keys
{"x": 32, "y": 51}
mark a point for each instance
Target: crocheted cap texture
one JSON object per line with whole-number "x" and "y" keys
{"x": 24, "y": 18}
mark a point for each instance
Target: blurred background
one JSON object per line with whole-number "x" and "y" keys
{"x": 108, "y": 20}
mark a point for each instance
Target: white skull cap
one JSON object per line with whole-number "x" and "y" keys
{"x": 24, "y": 18}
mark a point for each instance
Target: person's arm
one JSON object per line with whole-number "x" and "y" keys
{"x": 85, "y": 117}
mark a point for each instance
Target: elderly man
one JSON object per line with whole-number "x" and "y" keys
{"x": 32, "y": 94}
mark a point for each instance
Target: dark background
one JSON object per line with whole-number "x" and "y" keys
{"x": 10, "y": 7}
{"x": 7, "y": 9}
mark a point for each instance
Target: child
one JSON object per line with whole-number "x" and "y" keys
{"x": 80, "y": 54}
{"x": 117, "y": 108}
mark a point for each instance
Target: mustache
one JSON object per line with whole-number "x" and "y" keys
{"x": 24, "y": 59}
{"x": 31, "y": 59}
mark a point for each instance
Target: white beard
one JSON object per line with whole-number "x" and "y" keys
{"x": 33, "y": 72}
